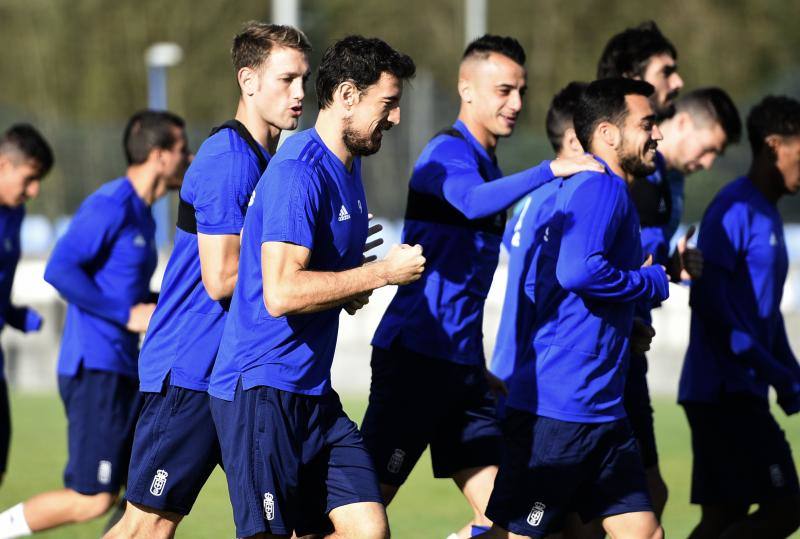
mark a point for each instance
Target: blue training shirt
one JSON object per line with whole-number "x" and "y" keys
{"x": 523, "y": 231}
{"x": 738, "y": 340}
{"x": 186, "y": 328}
{"x": 441, "y": 315}
{"x": 102, "y": 267}
{"x": 306, "y": 197}
{"x": 584, "y": 284}
{"x": 21, "y": 318}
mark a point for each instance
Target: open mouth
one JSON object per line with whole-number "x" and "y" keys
{"x": 297, "y": 110}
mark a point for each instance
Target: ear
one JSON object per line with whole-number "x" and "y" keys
{"x": 609, "y": 133}
{"x": 248, "y": 81}
{"x": 465, "y": 90}
{"x": 774, "y": 143}
{"x": 571, "y": 141}
{"x": 347, "y": 94}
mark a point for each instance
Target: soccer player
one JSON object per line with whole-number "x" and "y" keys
{"x": 102, "y": 267}
{"x": 569, "y": 446}
{"x": 738, "y": 347}
{"x": 294, "y": 461}
{"x": 430, "y": 338}
{"x": 25, "y": 158}
{"x": 175, "y": 448}
{"x": 644, "y": 53}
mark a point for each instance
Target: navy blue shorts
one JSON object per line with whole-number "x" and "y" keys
{"x": 290, "y": 459}
{"x": 640, "y": 410}
{"x": 416, "y": 401}
{"x": 741, "y": 455}
{"x": 552, "y": 468}
{"x": 102, "y": 408}
{"x": 5, "y": 425}
{"x": 175, "y": 449}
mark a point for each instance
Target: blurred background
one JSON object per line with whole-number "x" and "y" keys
{"x": 78, "y": 69}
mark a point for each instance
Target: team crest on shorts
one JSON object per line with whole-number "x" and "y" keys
{"x": 396, "y": 461}
{"x": 536, "y": 514}
{"x": 269, "y": 506}
{"x": 159, "y": 481}
{"x": 104, "y": 472}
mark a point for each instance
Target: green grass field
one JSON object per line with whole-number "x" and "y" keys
{"x": 425, "y": 508}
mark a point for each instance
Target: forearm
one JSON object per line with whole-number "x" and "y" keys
{"x": 78, "y": 289}
{"x": 306, "y": 291}
{"x": 597, "y": 279}
{"x": 488, "y": 198}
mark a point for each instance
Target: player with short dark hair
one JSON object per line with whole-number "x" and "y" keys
{"x": 431, "y": 336}
{"x": 295, "y": 462}
{"x": 25, "y": 158}
{"x": 102, "y": 267}
{"x": 738, "y": 347}
{"x": 587, "y": 278}
{"x": 176, "y": 448}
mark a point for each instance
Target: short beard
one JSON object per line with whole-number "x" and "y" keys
{"x": 358, "y": 144}
{"x": 633, "y": 163}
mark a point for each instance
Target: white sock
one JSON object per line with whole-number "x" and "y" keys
{"x": 452, "y": 536}
{"x": 13, "y": 523}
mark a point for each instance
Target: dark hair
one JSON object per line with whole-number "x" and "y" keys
{"x": 774, "y": 115}
{"x": 561, "y": 111}
{"x": 604, "y": 101}
{"x": 252, "y": 46}
{"x": 25, "y": 139}
{"x": 488, "y": 43}
{"x": 713, "y": 105}
{"x": 360, "y": 60}
{"x": 628, "y": 53}
{"x": 147, "y": 130}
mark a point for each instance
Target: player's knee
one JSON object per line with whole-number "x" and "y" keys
{"x": 89, "y": 507}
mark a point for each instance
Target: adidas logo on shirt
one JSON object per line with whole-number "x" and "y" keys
{"x": 343, "y": 215}
{"x": 139, "y": 241}
{"x": 773, "y": 240}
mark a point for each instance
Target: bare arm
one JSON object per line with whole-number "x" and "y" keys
{"x": 219, "y": 263}
{"x": 291, "y": 288}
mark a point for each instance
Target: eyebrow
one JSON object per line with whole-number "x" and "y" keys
{"x": 649, "y": 118}
{"x": 670, "y": 69}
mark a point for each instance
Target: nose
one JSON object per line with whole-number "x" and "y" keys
{"x": 32, "y": 190}
{"x": 707, "y": 161}
{"x": 656, "y": 133}
{"x": 394, "y": 116}
{"x": 515, "y": 101}
{"x": 676, "y": 81}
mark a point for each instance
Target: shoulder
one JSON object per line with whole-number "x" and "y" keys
{"x": 733, "y": 203}
{"x": 445, "y": 146}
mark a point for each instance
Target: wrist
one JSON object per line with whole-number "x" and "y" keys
{"x": 380, "y": 273}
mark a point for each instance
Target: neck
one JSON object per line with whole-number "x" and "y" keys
{"x": 262, "y": 131}
{"x": 329, "y": 128}
{"x": 609, "y": 156}
{"x": 767, "y": 179}
{"x": 485, "y": 138}
{"x": 145, "y": 182}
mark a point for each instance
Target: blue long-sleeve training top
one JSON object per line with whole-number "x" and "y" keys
{"x": 456, "y": 211}
{"x": 21, "y": 318}
{"x": 102, "y": 267}
{"x": 585, "y": 283}
{"x": 738, "y": 340}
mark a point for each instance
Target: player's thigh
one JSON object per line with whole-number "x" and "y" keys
{"x": 361, "y": 520}
{"x": 174, "y": 452}
{"x": 637, "y": 525}
{"x": 476, "y": 485}
{"x": 469, "y": 436}
{"x": 401, "y": 415}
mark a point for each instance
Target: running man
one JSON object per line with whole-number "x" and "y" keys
{"x": 431, "y": 336}
{"x": 25, "y": 159}
{"x": 569, "y": 446}
{"x": 175, "y": 448}
{"x": 738, "y": 347}
{"x": 295, "y": 463}
{"x": 102, "y": 267}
